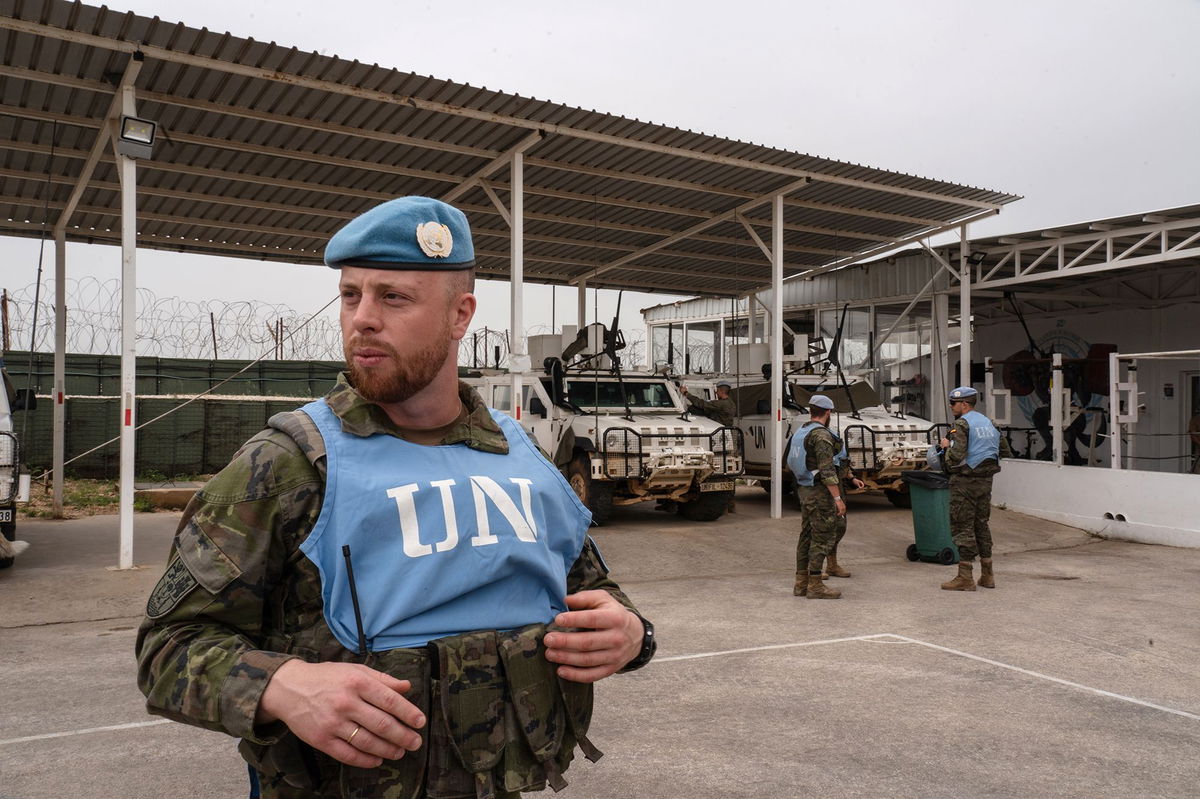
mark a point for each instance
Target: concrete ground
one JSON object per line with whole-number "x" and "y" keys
{"x": 1076, "y": 677}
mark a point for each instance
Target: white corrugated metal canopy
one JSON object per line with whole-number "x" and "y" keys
{"x": 265, "y": 150}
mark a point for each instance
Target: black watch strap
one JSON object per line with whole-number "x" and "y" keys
{"x": 649, "y": 646}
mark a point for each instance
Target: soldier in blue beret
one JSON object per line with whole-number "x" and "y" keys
{"x": 390, "y": 592}
{"x": 973, "y": 449}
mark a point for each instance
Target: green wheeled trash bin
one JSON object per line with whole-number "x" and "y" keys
{"x": 931, "y": 517}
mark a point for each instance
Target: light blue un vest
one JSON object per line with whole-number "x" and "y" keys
{"x": 443, "y": 539}
{"x": 984, "y": 441}
{"x": 797, "y": 459}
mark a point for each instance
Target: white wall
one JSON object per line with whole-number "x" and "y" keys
{"x": 1157, "y": 508}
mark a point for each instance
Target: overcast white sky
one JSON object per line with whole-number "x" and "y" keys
{"x": 1087, "y": 108}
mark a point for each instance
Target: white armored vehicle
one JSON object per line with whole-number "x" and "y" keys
{"x": 880, "y": 444}
{"x": 14, "y": 482}
{"x": 619, "y": 437}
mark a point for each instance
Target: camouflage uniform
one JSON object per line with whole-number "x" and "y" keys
{"x": 821, "y": 528}
{"x": 239, "y": 599}
{"x": 719, "y": 410}
{"x": 971, "y": 494}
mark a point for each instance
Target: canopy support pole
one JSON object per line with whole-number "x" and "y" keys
{"x": 128, "y": 173}
{"x": 964, "y": 316}
{"x": 777, "y": 357}
{"x": 518, "y": 360}
{"x": 60, "y": 366}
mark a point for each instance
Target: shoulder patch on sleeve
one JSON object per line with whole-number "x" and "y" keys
{"x": 590, "y": 543}
{"x": 176, "y": 583}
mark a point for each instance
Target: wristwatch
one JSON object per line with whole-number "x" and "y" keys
{"x": 649, "y": 645}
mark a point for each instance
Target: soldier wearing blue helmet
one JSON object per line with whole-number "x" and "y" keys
{"x": 973, "y": 448}
{"x": 817, "y": 458}
{"x": 390, "y": 592}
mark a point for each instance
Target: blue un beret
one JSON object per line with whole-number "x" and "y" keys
{"x": 962, "y": 393}
{"x": 412, "y": 233}
{"x": 820, "y": 401}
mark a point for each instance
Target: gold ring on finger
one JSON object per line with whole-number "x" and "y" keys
{"x": 356, "y": 729}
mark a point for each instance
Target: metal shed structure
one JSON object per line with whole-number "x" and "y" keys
{"x": 263, "y": 151}
{"x": 1132, "y": 280}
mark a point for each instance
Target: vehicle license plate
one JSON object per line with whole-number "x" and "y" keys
{"x": 724, "y": 485}
{"x": 6, "y": 515}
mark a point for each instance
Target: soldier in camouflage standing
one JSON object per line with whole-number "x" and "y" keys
{"x": 389, "y": 592}
{"x": 817, "y": 459}
{"x": 721, "y": 410}
{"x": 973, "y": 450}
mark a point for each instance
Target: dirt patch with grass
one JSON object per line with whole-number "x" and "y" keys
{"x": 81, "y": 497}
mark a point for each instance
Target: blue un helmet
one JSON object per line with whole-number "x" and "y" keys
{"x": 963, "y": 393}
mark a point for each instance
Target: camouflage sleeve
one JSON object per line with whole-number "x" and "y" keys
{"x": 844, "y": 472}
{"x": 590, "y": 573}
{"x": 957, "y": 454}
{"x": 821, "y": 450}
{"x": 199, "y": 651}
{"x": 1006, "y": 450}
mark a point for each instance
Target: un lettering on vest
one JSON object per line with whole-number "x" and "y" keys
{"x": 484, "y": 490}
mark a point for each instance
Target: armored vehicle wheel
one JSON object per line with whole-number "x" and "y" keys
{"x": 946, "y": 556}
{"x": 901, "y": 499}
{"x": 596, "y": 495}
{"x": 911, "y": 553}
{"x": 707, "y": 507}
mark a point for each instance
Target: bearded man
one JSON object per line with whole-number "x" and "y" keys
{"x": 390, "y": 592}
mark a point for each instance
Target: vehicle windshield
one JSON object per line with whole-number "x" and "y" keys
{"x": 606, "y": 393}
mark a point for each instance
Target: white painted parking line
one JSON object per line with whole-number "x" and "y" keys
{"x": 68, "y": 733}
{"x": 897, "y": 639}
{"x": 1059, "y": 680}
{"x": 875, "y": 638}
{"x": 766, "y": 648}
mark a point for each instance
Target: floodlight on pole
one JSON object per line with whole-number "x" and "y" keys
{"x": 135, "y": 138}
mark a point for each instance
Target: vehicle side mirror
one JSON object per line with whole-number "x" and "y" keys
{"x": 536, "y": 408}
{"x": 25, "y": 400}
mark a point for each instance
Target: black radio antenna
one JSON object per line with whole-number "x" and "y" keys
{"x": 362, "y": 638}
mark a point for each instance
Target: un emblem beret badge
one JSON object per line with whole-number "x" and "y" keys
{"x": 435, "y": 239}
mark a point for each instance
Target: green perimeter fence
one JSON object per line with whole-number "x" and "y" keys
{"x": 199, "y": 438}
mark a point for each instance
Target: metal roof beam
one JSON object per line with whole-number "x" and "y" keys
{"x": 842, "y": 209}
{"x": 873, "y": 252}
{"x": 697, "y": 228}
{"x": 100, "y": 145}
{"x": 940, "y": 260}
{"x": 486, "y": 171}
{"x": 1128, "y": 263}
{"x": 755, "y": 237}
{"x": 332, "y": 87}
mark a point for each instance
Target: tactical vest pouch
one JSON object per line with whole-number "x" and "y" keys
{"x": 540, "y": 716}
{"x": 468, "y": 713}
{"x": 403, "y": 778}
{"x": 290, "y": 762}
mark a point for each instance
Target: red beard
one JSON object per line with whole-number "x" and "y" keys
{"x": 396, "y": 380}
